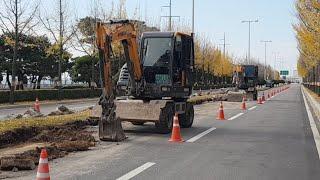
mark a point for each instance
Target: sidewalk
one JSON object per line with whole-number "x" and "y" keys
{"x": 46, "y": 102}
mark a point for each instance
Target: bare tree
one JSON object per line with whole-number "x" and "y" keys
{"x": 18, "y": 17}
{"x": 61, "y": 31}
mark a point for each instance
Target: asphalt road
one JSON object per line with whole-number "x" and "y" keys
{"x": 268, "y": 142}
{"x": 6, "y": 113}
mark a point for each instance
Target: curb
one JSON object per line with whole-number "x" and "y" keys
{"x": 46, "y": 103}
{"x": 314, "y": 104}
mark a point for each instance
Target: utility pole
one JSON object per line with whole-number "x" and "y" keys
{"x": 265, "y": 57}
{"x": 249, "y": 44}
{"x": 170, "y": 15}
{"x": 274, "y": 66}
{"x": 192, "y": 17}
{"x": 60, "y": 50}
{"x": 224, "y": 53}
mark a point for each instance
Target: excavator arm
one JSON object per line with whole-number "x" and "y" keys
{"x": 110, "y": 128}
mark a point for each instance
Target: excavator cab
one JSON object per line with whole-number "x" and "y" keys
{"x": 167, "y": 64}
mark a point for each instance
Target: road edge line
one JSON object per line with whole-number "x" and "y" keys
{"x": 235, "y": 116}
{"x": 136, "y": 171}
{"x": 313, "y": 126}
{"x": 193, "y": 139}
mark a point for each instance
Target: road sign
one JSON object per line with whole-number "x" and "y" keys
{"x": 284, "y": 72}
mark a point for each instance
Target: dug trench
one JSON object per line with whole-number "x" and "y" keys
{"x": 58, "y": 140}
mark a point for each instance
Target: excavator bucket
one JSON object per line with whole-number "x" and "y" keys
{"x": 110, "y": 128}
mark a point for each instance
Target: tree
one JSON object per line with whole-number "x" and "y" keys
{"x": 61, "y": 31}
{"x": 17, "y": 18}
{"x": 308, "y": 36}
{"x": 80, "y": 69}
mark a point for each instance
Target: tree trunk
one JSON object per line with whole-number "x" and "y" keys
{"x": 39, "y": 81}
{"x": 33, "y": 81}
{"x": 8, "y": 80}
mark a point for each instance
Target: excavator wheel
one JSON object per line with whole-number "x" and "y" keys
{"x": 186, "y": 119}
{"x": 164, "y": 126}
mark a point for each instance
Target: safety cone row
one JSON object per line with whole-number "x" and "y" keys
{"x": 243, "y": 104}
{"x": 176, "y": 135}
{"x": 43, "y": 167}
{"x": 220, "y": 115}
{"x": 37, "y": 105}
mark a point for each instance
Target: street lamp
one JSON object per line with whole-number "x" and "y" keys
{"x": 249, "y": 23}
{"x": 265, "y": 57}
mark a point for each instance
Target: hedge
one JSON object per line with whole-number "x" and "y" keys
{"x": 49, "y": 94}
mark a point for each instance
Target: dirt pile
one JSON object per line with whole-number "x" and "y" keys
{"x": 62, "y": 110}
{"x": 61, "y": 140}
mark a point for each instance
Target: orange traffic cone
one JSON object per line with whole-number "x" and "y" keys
{"x": 268, "y": 95}
{"x": 220, "y": 112}
{"x": 176, "y": 135}
{"x": 259, "y": 100}
{"x": 243, "y": 104}
{"x": 37, "y": 105}
{"x": 43, "y": 168}
{"x": 263, "y": 98}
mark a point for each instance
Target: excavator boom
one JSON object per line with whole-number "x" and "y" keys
{"x": 110, "y": 127}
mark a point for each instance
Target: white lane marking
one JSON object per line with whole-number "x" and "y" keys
{"x": 236, "y": 116}
{"x": 201, "y": 135}
{"x": 136, "y": 171}
{"x": 252, "y": 108}
{"x": 313, "y": 126}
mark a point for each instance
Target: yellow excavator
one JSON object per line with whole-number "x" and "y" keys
{"x": 160, "y": 79}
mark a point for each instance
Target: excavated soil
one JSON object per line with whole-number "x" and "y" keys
{"x": 59, "y": 140}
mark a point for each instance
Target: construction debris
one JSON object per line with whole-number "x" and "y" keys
{"x": 60, "y": 140}
{"x": 31, "y": 112}
{"x": 235, "y": 96}
{"x": 62, "y": 110}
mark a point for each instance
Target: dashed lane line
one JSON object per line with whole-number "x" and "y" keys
{"x": 313, "y": 126}
{"x": 252, "y": 108}
{"x": 236, "y": 116}
{"x": 136, "y": 171}
{"x": 201, "y": 135}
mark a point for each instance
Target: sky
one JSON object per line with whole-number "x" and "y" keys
{"x": 213, "y": 18}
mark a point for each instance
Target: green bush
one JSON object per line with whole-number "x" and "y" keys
{"x": 49, "y": 94}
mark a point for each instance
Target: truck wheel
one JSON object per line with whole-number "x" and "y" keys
{"x": 186, "y": 119}
{"x": 164, "y": 126}
{"x": 138, "y": 123}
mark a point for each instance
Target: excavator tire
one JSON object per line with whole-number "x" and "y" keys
{"x": 186, "y": 119}
{"x": 164, "y": 126}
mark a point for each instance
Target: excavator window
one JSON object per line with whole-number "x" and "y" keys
{"x": 157, "y": 52}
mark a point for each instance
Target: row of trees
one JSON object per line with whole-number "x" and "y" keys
{"x": 33, "y": 56}
{"x": 308, "y": 36}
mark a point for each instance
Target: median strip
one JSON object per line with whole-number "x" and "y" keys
{"x": 236, "y": 116}
{"x": 136, "y": 171}
{"x": 201, "y": 135}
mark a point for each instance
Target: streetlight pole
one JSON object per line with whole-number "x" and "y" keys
{"x": 265, "y": 57}
{"x": 249, "y": 44}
